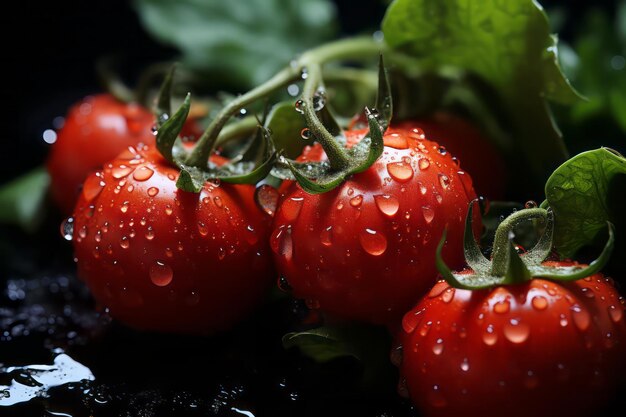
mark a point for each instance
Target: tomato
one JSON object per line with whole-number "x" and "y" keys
{"x": 540, "y": 348}
{"x": 95, "y": 131}
{"x": 167, "y": 260}
{"x": 365, "y": 250}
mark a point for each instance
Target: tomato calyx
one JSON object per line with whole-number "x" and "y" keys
{"x": 507, "y": 267}
{"x": 250, "y": 166}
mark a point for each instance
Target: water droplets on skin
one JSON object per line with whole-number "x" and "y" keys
{"x": 283, "y": 284}
{"x": 153, "y": 191}
{"x": 425, "y": 329}
{"x": 501, "y": 307}
{"x": 438, "y": 347}
{"x": 291, "y": 207}
{"x": 124, "y": 242}
{"x": 299, "y": 106}
{"x": 539, "y": 302}
{"x": 563, "y": 322}
{"x": 438, "y": 289}
{"x": 149, "y": 233}
{"x": 125, "y": 206}
{"x": 448, "y": 295}
{"x": 305, "y": 133}
{"x": 356, "y": 201}
{"x": 373, "y": 242}
{"x": 400, "y": 171}
{"x": 266, "y": 198}
{"x": 581, "y": 318}
{"x": 410, "y": 321}
{"x": 326, "y": 237}
{"x": 92, "y": 186}
{"x": 516, "y": 332}
{"x": 465, "y": 365}
{"x": 121, "y": 171}
{"x": 202, "y": 229}
{"x": 161, "y": 274}
{"x": 168, "y": 210}
{"x": 387, "y": 204}
{"x": 218, "y": 201}
{"x": 423, "y": 164}
{"x": 444, "y": 181}
{"x": 281, "y": 243}
{"x": 428, "y": 213}
{"x": 396, "y": 141}
{"x": 319, "y": 100}
{"x": 616, "y": 313}
{"x": 143, "y": 173}
{"x": 67, "y": 228}
{"x": 489, "y": 336}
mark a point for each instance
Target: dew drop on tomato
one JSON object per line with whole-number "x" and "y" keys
{"x": 387, "y": 204}
{"x": 539, "y": 302}
{"x": 516, "y": 331}
{"x": 67, "y": 228}
{"x": 616, "y": 313}
{"x": 92, "y": 187}
{"x": 143, "y": 173}
{"x": 149, "y": 233}
{"x": 356, "y": 201}
{"x": 448, "y": 295}
{"x": 465, "y": 365}
{"x": 291, "y": 207}
{"x": 396, "y": 141}
{"x": 444, "y": 181}
{"x": 425, "y": 329}
{"x": 153, "y": 191}
{"x": 400, "y": 171}
{"x": 429, "y": 214}
{"x": 438, "y": 347}
{"x": 373, "y": 242}
{"x": 581, "y": 318}
{"x": 501, "y": 307}
{"x": 124, "y": 242}
{"x": 266, "y": 198}
{"x": 121, "y": 171}
{"x": 326, "y": 237}
{"x": 202, "y": 229}
{"x": 423, "y": 164}
{"x": 489, "y": 336}
{"x": 438, "y": 289}
{"x": 161, "y": 274}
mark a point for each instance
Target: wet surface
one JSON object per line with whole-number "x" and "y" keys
{"x": 60, "y": 356}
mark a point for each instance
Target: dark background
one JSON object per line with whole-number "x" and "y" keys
{"x": 50, "y": 49}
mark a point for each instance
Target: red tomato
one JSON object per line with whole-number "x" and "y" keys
{"x": 167, "y": 260}
{"x": 535, "y": 349}
{"x": 366, "y": 249}
{"x": 476, "y": 154}
{"x": 95, "y": 131}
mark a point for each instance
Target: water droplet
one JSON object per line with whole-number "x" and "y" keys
{"x": 305, "y": 133}
{"x": 425, "y": 328}
{"x": 448, "y": 295}
{"x": 356, "y": 201}
{"x": 516, "y": 331}
{"x": 299, "y": 106}
{"x": 444, "y": 181}
{"x": 121, "y": 171}
{"x": 423, "y": 189}
{"x": 290, "y": 208}
{"x": 67, "y": 228}
{"x": 149, "y": 233}
{"x": 339, "y": 205}
{"x": 82, "y": 233}
{"x": 429, "y": 214}
{"x": 438, "y": 346}
{"x": 92, "y": 186}
{"x": 411, "y": 320}
{"x": 530, "y": 204}
{"x": 387, "y": 204}
{"x": 400, "y": 171}
{"x": 281, "y": 243}
{"x": 161, "y": 274}
{"x": 202, "y": 229}
{"x": 326, "y": 237}
{"x": 616, "y": 313}
{"x": 153, "y": 191}
{"x": 143, "y": 173}
{"x": 124, "y": 242}
{"x": 501, "y": 307}
{"x": 319, "y": 100}
{"x": 489, "y": 336}
{"x": 283, "y": 284}
{"x": 218, "y": 201}
{"x": 563, "y": 320}
{"x": 423, "y": 164}
{"x": 168, "y": 210}
{"x": 396, "y": 141}
{"x": 581, "y": 318}
{"x": 125, "y": 206}
{"x": 373, "y": 242}
{"x": 438, "y": 289}
{"x": 266, "y": 198}
{"x": 465, "y": 365}
{"x": 539, "y": 302}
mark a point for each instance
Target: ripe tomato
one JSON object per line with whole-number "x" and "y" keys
{"x": 540, "y": 348}
{"x": 167, "y": 260}
{"x": 471, "y": 147}
{"x": 95, "y": 131}
{"x": 366, "y": 249}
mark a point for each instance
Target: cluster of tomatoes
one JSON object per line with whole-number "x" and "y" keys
{"x": 162, "y": 259}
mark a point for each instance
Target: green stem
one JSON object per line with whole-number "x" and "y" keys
{"x": 502, "y": 240}
{"x": 336, "y": 155}
{"x": 353, "y": 48}
{"x": 238, "y": 129}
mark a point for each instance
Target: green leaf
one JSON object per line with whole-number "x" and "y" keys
{"x": 285, "y": 125}
{"x": 22, "y": 201}
{"x": 244, "y": 42}
{"x": 322, "y": 344}
{"x": 168, "y": 132}
{"x": 581, "y": 192}
{"x": 509, "y": 45}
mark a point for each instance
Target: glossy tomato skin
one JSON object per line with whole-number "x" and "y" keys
{"x": 365, "y": 250}
{"x": 536, "y": 349}
{"x": 474, "y": 151}
{"x": 166, "y": 260}
{"x": 95, "y": 131}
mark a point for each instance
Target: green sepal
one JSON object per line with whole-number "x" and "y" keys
{"x": 384, "y": 103}
{"x": 324, "y": 183}
{"x": 191, "y": 179}
{"x": 169, "y": 131}
{"x": 313, "y": 170}
{"x": 543, "y": 247}
{"x": 163, "y": 107}
{"x": 373, "y": 143}
{"x": 516, "y": 271}
{"x": 473, "y": 255}
{"x": 329, "y": 121}
{"x": 572, "y": 273}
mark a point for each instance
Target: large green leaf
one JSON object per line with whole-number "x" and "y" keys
{"x": 243, "y": 41}
{"x": 584, "y": 193}
{"x": 508, "y": 43}
{"x": 22, "y": 200}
